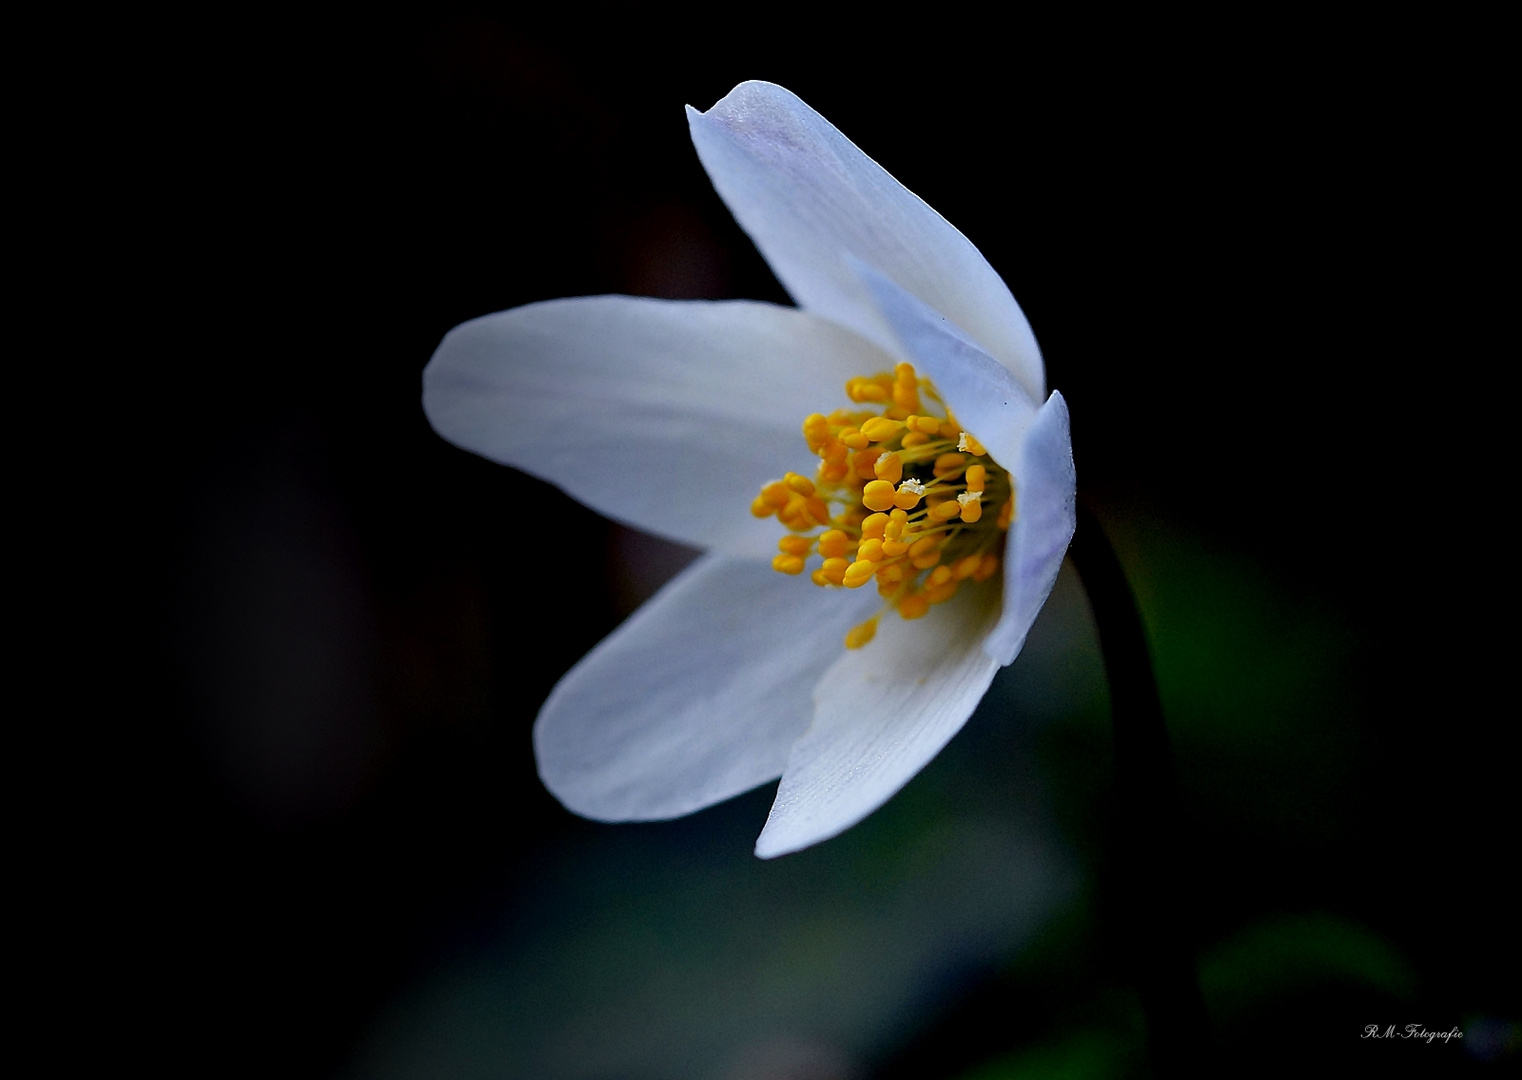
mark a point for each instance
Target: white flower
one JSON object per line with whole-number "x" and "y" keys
{"x": 669, "y": 416}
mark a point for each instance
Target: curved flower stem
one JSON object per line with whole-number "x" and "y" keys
{"x": 1146, "y": 896}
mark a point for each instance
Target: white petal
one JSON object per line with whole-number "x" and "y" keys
{"x": 667, "y": 416}
{"x": 880, "y": 714}
{"x": 980, "y": 391}
{"x": 1046, "y": 512}
{"x": 697, "y": 696}
{"x": 808, "y": 197}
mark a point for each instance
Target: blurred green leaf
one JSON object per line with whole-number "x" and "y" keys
{"x": 1293, "y": 954}
{"x": 1086, "y": 1055}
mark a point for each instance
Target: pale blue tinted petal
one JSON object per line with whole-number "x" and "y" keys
{"x": 881, "y": 713}
{"x": 698, "y": 696}
{"x": 1046, "y": 506}
{"x": 664, "y": 415}
{"x": 980, "y": 392}
{"x": 808, "y": 197}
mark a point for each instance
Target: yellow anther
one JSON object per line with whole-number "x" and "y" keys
{"x": 914, "y": 438}
{"x": 802, "y": 514}
{"x": 968, "y": 443}
{"x": 863, "y": 461}
{"x": 894, "y": 548}
{"x": 871, "y": 549}
{"x": 971, "y": 503}
{"x": 834, "y": 570}
{"x": 801, "y": 484}
{"x": 875, "y": 526}
{"x": 831, "y": 473}
{"x": 860, "y": 635}
{"x": 925, "y": 562}
{"x": 945, "y": 511}
{"x": 818, "y": 578}
{"x": 977, "y": 476}
{"x": 787, "y": 564}
{"x": 880, "y": 427}
{"x": 924, "y": 546}
{"x": 909, "y": 493}
{"x": 795, "y": 545}
{"x": 906, "y": 396}
{"x": 890, "y": 574}
{"x": 833, "y": 544}
{"x": 816, "y": 431}
{"x": 761, "y": 508}
{"x": 860, "y": 389}
{"x": 889, "y": 467}
{"x": 966, "y": 567}
{"x": 950, "y": 429}
{"x": 859, "y": 573}
{"x": 776, "y": 494}
{"x": 939, "y": 594}
{"x": 950, "y": 463}
{"x": 1007, "y": 513}
{"x": 988, "y": 566}
{"x": 939, "y": 576}
{"x": 877, "y": 495}
{"x": 913, "y": 606}
{"x": 854, "y": 439}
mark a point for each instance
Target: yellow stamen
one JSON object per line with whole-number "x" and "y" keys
{"x": 908, "y": 495}
{"x": 880, "y": 428}
{"x": 858, "y": 574}
{"x": 945, "y": 511}
{"x": 878, "y": 495}
{"x": 876, "y": 526}
{"x": 833, "y": 544}
{"x": 948, "y": 464}
{"x": 860, "y": 635}
{"x": 898, "y": 499}
{"x": 913, "y": 606}
{"x": 788, "y": 564}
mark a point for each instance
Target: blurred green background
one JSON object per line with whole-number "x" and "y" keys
{"x": 329, "y": 850}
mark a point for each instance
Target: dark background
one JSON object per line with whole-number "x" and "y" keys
{"x": 294, "y": 782}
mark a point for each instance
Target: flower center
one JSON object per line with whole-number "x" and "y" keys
{"x": 903, "y": 496}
